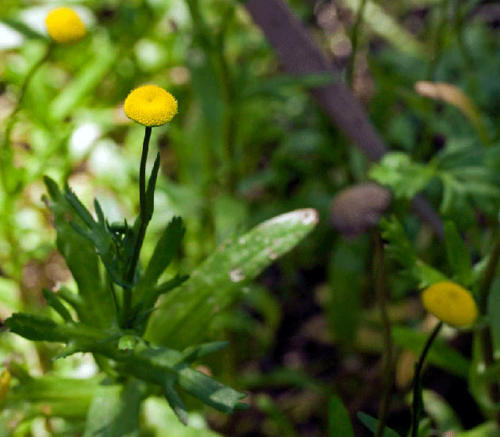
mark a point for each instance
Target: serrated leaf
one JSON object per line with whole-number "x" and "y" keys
{"x": 339, "y": 423}
{"x": 218, "y": 282}
{"x": 80, "y": 255}
{"x": 404, "y": 177}
{"x": 371, "y": 423}
{"x": 35, "y": 327}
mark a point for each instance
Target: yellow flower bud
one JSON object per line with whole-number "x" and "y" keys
{"x": 4, "y": 383}
{"x": 450, "y": 303}
{"x": 150, "y": 105}
{"x": 64, "y": 25}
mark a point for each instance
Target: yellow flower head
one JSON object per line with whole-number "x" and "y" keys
{"x": 450, "y": 303}
{"x": 4, "y": 383}
{"x": 150, "y": 105}
{"x": 64, "y": 25}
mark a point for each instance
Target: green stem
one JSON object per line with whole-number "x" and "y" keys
{"x": 143, "y": 222}
{"x": 417, "y": 384}
{"x": 356, "y": 31}
{"x": 6, "y": 158}
{"x": 485, "y": 332}
{"x": 379, "y": 281}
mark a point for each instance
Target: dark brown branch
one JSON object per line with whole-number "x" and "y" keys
{"x": 300, "y": 55}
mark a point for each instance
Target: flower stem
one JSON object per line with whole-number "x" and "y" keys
{"x": 417, "y": 382}
{"x": 379, "y": 281}
{"x": 143, "y": 221}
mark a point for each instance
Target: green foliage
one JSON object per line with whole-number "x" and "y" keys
{"x": 247, "y": 145}
{"x": 371, "y": 423}
{"x": 339, "y": 423}
{"x": 218, "y": 282}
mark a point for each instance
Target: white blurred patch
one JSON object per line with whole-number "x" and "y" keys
{"x": 148, "y": 53}
{"x": 87, "y": 368}
{"x": 9, "y": 38}
{"x": 106, "y": 160}
{"x": 82, "y": 139}
{"x": 35, "y": 17}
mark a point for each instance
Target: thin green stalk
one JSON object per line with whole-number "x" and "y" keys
{"x": 143, "y": 222}
{"x": 417, "y": 384}
{"x": 485, "y": 332}
{"x": 355, "y": 34}
{"x": 379, "y": 282}
{"x": 6, "y": 157}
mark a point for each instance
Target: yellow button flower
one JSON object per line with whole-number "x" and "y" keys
{"x": 450, "y": 303}
{"x": 64, "y": 25}
{"x": 4, "y": 383}
{"x": 150, "y": 105}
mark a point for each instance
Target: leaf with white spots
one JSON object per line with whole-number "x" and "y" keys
{"x": 185, "y": 313}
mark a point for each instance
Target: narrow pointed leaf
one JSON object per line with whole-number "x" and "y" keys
{"x": 55, "y": 303}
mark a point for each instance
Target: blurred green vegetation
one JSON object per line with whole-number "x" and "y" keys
{"x": 250, "y": 143}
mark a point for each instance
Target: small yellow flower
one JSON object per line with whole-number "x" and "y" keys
{"x": 4, "y": 383}
{"x": 150, "y": 105}
{"x": 450, "y": 303}
{"x": 64, "y": 25}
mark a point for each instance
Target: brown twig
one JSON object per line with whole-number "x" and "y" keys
{"x": 299, "y": 55}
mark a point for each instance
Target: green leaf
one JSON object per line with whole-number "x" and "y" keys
{"x": 488, "y": 429}
{"x": 494, "y": 313}
{"x": 441, "y": 412}
{"x": 90, "y": 76}
{"x": 175, "y": 402}
{"x": 274, "y": 85}
{"x": 164, "y": 252}
{"x": 387, "y": 27}
{"x": 163, "y": 366}
{"x": 186, "y": 312}
{"x": 208, "y": 390}
{"x": 55, "y": 303}
{"x": 114, "y": 411}
{"x": 404, "y": 177}
{"x": 97, "y": 306}
{"x": 458, "y": 256}
{"x": 371, "y": 423}
{"x": 440, "y": 354}
{"x": 63, "y": 397}
{"x": 24, "y": 29}
{"x": 345, "y": 276}
{"x": 401, "y": 250}
{"x": 160, "y": 419}
{"x": 35, "y": 327}
{"x": 194, "y": 353}
{"x": 150, "y": 191}
{"x": 339, "y": 423}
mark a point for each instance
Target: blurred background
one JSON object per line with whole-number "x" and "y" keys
{"x": 250, "y": 142}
